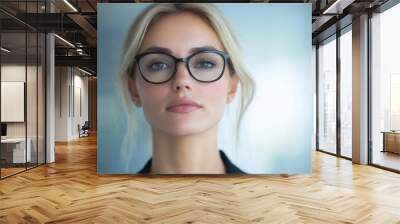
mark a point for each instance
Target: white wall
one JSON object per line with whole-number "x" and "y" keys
{"x": 12, "y": 73}
{"x": 70, "y": 83}
{"x": 80, "y": 89}
{"x": 12, "y": 100}
{"x": 61, "y": 103}
{"x": 16, "y": 72}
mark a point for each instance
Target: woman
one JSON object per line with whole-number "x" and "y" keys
{"x": 180, "y": 64}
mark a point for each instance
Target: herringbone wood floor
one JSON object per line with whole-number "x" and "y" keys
{"x": 70, "y": 191}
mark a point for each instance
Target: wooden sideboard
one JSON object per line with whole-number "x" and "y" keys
{"x": 391, "y": 141}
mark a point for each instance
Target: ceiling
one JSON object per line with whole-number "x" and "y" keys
{"x": 76, "y": 22}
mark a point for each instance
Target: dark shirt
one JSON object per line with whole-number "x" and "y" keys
{"x": 229, "y": 166}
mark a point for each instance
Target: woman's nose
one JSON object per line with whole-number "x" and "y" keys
{"x": 182, "y": 79}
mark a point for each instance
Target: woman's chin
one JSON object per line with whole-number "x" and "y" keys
{"x": 183, "y": 130}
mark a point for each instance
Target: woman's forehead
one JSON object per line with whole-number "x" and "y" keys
{"x": 181, "y": 32}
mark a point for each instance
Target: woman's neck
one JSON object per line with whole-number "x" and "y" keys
{"x": 189, "y": 154}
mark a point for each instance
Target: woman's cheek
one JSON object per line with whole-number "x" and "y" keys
{"x": 216, "y": 97}
{"x": 153, "y": 98}
{"x": 151, "y": 92}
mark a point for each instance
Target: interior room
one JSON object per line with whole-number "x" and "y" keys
{"x": 50, "y": 126}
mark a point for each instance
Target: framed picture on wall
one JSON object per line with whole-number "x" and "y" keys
{"x": 201, "y": 88}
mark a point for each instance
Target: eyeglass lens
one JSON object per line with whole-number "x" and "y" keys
{"x": 204, "y": 66}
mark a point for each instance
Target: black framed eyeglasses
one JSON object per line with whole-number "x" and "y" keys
{"x": 203, "y": 66}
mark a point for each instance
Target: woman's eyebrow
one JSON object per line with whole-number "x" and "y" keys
{"x": 169, "y": 51}
{"x": 202, "y": 48}
{"x": 158, "y": 49}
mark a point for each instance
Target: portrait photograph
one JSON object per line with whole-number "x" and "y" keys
{"x": 204, "y": 88}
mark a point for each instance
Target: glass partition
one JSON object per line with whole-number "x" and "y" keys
{"x": 327, "y": 95}
{"x": 22, "y": 89}
{"x": 13, "y": 103}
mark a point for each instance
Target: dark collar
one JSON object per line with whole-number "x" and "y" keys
{"x": 229, "y": 166}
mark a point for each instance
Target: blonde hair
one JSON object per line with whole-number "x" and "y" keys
{"x": 139, "y": 28}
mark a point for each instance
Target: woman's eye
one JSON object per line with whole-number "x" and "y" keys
{"x": 158, "y": 66}
{"x": 205, "y": 65}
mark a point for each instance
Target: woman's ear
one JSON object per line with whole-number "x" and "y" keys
{"x": 232, "y": 88}
{"x": 133, "y": 91}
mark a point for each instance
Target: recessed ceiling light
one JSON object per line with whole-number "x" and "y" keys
{"x": 337, "y": 7}
{"x": 84, "y": 71}
{"x": 64, "y": 40}
{"x": 5, "y": 50}
{"x": 70, "y": 5}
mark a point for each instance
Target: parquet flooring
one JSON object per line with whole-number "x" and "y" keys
{"x": 10, "y": 171}
{"x": 70, "y": 191}
{"x": 387, "y": 159}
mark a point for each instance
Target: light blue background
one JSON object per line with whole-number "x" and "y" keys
{"x": 276, "y": 131}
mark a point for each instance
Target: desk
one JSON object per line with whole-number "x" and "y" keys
{"x": 16, "y": 147}
{"x": 391, "y": 141}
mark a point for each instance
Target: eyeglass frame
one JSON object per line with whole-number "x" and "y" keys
{"x": 186, "y": 60}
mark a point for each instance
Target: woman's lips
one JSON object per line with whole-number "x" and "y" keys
{"x": 183, "y": 106}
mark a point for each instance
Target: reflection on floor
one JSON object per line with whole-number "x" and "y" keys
{"x": 71, "y": 191}
{"x": 386, "y": 159}
{"x": 10, "y": 169}
{"x": 347, "y": 152}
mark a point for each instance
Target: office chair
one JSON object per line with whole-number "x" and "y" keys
{"x": 84, "y": 130}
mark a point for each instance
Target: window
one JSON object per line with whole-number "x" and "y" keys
{"x": 385, "y": 88}
{"x": 327, "y": 96}
{"x": 346, "y": 93}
